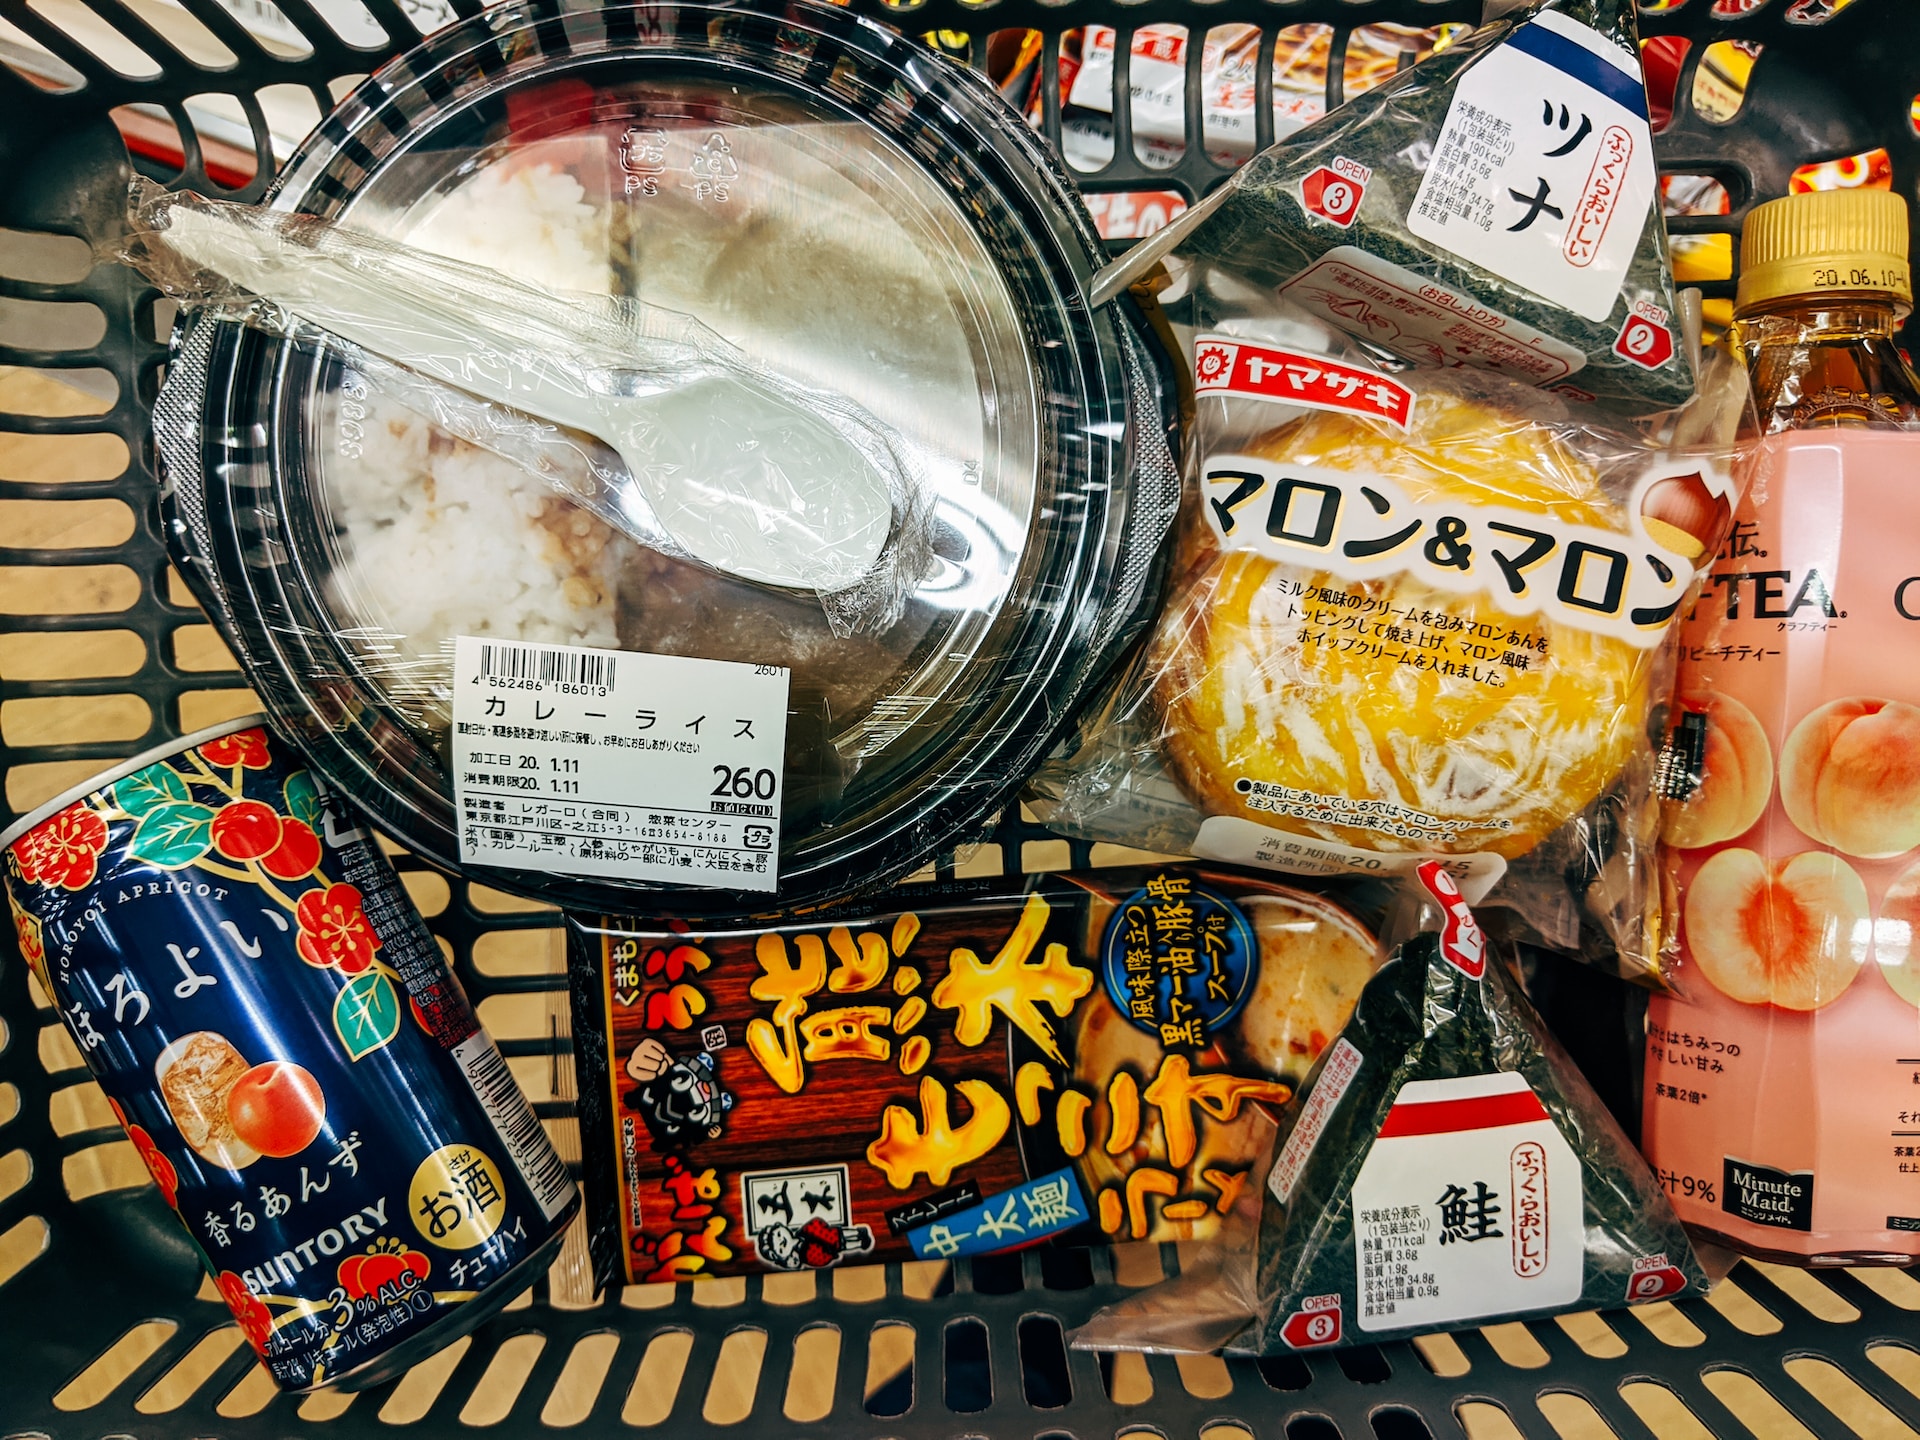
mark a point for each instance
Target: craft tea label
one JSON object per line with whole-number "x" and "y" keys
{"x": 1544, "y": 170}
{"x": 660, "y": 768}
{"x": 1469, "y": 1204}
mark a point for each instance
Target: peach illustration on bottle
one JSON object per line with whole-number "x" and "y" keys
{"x": 1896, "y": 935}
{"x": 1736, "y": 776}
{"x": 1792, "y": 934}
{"x": 1850, "y": 776}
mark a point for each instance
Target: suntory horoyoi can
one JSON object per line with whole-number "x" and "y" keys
{"x": 281, "y": 1037}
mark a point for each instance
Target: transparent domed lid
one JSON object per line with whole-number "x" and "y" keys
{"x": 811, "y": 242}
{"x": 845, "y": 208}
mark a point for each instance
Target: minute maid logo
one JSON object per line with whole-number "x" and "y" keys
{"x": 1625, "y": 584}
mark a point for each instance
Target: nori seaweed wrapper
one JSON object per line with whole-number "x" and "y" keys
{"x": 1256, "y": 233}
{"x": 1423, "y": 1018}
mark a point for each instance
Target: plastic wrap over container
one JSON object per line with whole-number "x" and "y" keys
{"x": 1415, "y": 615}
{"x": 504, "y": 681}
{"x": 639, "y": 415}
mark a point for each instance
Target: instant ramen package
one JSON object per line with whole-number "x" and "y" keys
{"x": 1492, "y": 206}
{"x": 1414, "y": 616}
{"x": 1447, "y": 1165}
{"x": 1070, "y": 1058}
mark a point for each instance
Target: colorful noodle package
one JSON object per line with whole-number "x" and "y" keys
{"x": 1492, "y": 206}
{"x": 998, "y": 1062}
{"x": 1414, "y": 616}
{"x": 1447, "y": 1166}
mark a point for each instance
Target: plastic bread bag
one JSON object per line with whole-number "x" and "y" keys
{"x": 1413, "y": 616}
{"x": 1446, "y": 1165}
{"x": 1493, "y": 206}
{"x": 642, "y": 415}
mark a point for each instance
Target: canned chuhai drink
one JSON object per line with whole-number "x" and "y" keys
{"x": 279, "y": 1034}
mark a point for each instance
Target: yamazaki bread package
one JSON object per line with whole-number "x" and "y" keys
{"x": 1416, "y": 615}
{"x": 995, "y": 1063}
{"x": 1446, "y": 1165}
{"x": 1492, "y": 206}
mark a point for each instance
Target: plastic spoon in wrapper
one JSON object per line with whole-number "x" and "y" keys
{"x": 726, "y": 463}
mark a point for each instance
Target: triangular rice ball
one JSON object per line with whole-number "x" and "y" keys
{"x": 1495, "y": 205}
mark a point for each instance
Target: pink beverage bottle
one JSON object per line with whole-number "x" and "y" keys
{"x": 1782, "y": 1106}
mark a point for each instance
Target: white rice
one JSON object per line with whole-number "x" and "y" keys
{"x": 444, "y": 539}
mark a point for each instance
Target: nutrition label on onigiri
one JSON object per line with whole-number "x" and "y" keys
{"x": 659, "y": 768}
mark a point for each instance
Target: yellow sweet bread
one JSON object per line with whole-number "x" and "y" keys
{"x": 1494, "y": 760}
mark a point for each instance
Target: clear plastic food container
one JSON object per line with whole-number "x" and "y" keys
{"x": 848, "y": 209}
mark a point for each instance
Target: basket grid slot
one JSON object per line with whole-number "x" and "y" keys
{"x": 123, "y": 1335}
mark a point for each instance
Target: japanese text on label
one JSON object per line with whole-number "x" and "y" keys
{"x": 643, "y": 767}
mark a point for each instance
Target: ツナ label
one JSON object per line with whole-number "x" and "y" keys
{"x": 1544, "y": 170}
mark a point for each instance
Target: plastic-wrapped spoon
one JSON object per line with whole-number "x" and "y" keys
{"x": 725, "y": 462}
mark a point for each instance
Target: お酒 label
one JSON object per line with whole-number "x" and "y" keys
{"x": 1544, "y": 170}
{"x": 1469, "y": 1203}
{"x": 658, "y": 768}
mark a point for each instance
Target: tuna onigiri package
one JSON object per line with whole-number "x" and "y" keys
{"x": 1415, "y": 616}
{"x": 1447, "y": 1165}
{"x": 1492, "y": 206}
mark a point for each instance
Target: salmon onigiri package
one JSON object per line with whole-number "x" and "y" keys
{"x": 1417, "y": 615}
{"x": 1491, "y": 206}
{"x": 1447, "y": 1165}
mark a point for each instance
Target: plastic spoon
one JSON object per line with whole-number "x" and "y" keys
{"x": 743, "y": 472}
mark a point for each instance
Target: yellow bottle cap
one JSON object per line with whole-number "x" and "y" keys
{"x": 1825, "y": 241}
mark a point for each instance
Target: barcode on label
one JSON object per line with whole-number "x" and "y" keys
{"x": 564, "y": 667}
{"x": 526, "y": 1139}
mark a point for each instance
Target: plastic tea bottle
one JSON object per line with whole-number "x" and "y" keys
{"x": 1782, "y": 1104}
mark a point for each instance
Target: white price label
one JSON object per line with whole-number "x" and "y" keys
{"x": 1246, "y": 842}
{"x": 659, "y": 768}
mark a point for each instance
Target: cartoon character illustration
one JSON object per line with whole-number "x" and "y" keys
{"x": 813, "y": 1246}
{"x": 681, "y": 1100}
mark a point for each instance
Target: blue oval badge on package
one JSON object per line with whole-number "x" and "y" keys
{"x": 1178, "y": 961}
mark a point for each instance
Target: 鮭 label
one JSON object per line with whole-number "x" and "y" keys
{"x": 1544, "y": 170}
{"x": 1469, "y": 1203}
{"x": 657, "y": 768}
